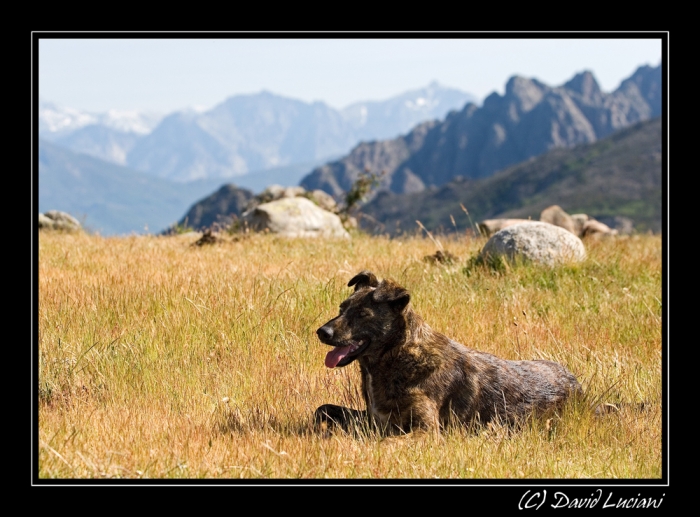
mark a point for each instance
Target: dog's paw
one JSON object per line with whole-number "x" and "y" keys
{"x": 329, "y": 418}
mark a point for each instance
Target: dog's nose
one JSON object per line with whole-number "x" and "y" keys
{"x": 325, "y": 334}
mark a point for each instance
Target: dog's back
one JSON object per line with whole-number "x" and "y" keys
{"x": 505, "y": 390}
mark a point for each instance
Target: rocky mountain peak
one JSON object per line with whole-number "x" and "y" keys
{"x": 647, "y": 81}
{"x": 585, "y": 84}
{"x": 527, "y": 92}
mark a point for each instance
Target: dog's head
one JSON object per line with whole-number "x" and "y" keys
{"x": 371, "y": 320}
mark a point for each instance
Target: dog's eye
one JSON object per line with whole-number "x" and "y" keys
{"x": 365, "y": 313}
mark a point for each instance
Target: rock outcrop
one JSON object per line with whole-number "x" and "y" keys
{"x": 57, "y": 220}
{"x": 581, "y": 225}
{"x": 558, "y": 217}
{"x": 228, "y": 204}
{"x": 220, "y": 208}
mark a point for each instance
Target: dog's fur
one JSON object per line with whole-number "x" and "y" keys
{"x": 416, "y": 378}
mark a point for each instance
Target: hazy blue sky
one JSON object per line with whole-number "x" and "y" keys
{"x": 171, "y": 74}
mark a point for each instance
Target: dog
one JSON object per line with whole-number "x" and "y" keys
{"x": 414, "y": 378}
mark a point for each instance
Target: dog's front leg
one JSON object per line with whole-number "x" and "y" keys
{"x": 423, "y": 418}
{"x": 330, "y": 416}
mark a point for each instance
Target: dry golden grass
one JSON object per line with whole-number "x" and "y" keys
{"x": 158, "y": 359}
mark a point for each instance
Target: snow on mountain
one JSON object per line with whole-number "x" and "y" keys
{"x": 55, "y": 120}
{"x": 398, "y": 115}
{"x": 133, "y": 121}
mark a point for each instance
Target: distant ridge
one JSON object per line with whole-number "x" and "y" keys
{"x": 108, "y": 198}
{"x": 243, "y": 134}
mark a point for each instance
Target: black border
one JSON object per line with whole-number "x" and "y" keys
{"x": 538, "y": 494}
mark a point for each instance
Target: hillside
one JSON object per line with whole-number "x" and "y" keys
{"x": 115, "y": 199}
{"x": 219, "y": 207}
{"x": 109, "y": 198}
{"x": 620, "y": 175}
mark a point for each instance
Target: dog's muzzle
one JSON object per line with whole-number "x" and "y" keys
{"x": 325, "y": 334}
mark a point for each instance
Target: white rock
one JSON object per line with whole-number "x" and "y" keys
{"x": 557, "y": 216}
{"x": 295, "y": 217}
{"x": 535, "y": 241}
{"x": 57, "y": 220}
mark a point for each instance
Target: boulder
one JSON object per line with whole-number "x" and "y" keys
{"x": 294, "y": 191}
{"x": 295, "y": 217}
{"x": 324, "y": 200}
{"x": 271, "y": 193}
{"x": 581, "y": 225}
{"x": 490, "y": 226}
{"x": 57, "y": 220}
{"x": 275, "y": 192}
{"x": 579, "y": 222}
{"x": 557, "y": 216}
{"x": 534, "y": 241}
{"x": 593, "y": 228}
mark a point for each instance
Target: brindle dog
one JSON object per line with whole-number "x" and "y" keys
{"x": 416, "y": 378}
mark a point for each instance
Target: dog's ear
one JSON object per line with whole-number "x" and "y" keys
{"x": 363, "y": 279}
{"x": 393, "y": 294}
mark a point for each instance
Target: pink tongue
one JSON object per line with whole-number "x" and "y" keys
{"x": 334, "y": 356}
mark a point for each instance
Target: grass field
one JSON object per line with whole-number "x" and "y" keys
{"x": 159, "y": 359}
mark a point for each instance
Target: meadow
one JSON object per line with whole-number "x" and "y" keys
{"x": 159, "y": 359}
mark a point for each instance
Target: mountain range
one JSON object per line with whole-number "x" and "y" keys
{"x": 119, "y": 176}
{"x": 616, "y": 180}
{"x": 243, "y": 134}
{"x": 531, "y": 118}
{"x": 108, "y": 136}
{"x": 125, "y": 171}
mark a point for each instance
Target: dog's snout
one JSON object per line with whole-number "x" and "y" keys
{"x": 325, "y": 333}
